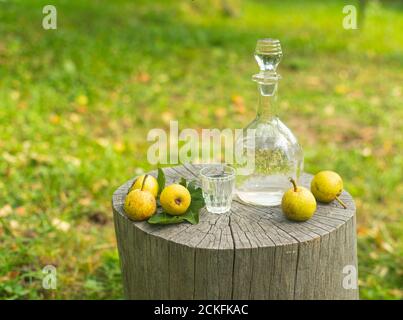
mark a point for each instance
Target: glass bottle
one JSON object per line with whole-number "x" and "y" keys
{"x": 275, "y": 151}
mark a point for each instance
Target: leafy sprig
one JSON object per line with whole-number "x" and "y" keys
{"x": 192, "y": 213}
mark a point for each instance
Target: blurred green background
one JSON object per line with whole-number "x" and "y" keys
{"x": 76, "y": 104}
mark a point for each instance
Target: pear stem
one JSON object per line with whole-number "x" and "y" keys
{"x": 294, "y": 184}
{"x": 341, "y": 202}
{"x": 144, "y": 181}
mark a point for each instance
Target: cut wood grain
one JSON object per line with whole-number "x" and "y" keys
{"x": 249, "y": 253}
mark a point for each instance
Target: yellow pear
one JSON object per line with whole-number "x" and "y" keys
{"x": 140, "y": 205}
{"x": 298, "y": 203}
{"x": 150, "y": 184}
{"x": 326, "y": 186}
{"x": 175, "y": 199}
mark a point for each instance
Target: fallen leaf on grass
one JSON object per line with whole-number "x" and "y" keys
{"x": 366, "y": 152}
{"x": 15, "y": 95}
{"x": 375, "y": 101}
{"x": 61, "y": 225}
{"x": 167, "y": 117}
{"x": 54, "y": 119}
{"x": 119, "y": 146}
{"x": 362, "y": 231}
{"x": 85, "y": 201}
{"x": 20, "y": 211}
{"x": 37, "y": 158}
{"x": 103, "y": 142}
{"x": 387, "y": 247}
{"x": 9, "y": 276}
{"x": 387, "y": 148}
{"x": 5, "y": 211}
{"x": 380, "y": 271}
{"x": 396, "y": 293}
{"x": 238, "y": 103}
{"x": 329, "y": 110}
{"x": 313, "y": 81}
{"x": 220, "y": 113}
{"x": 74, "y": 117}
{"x": 82, "y": 100}
{"x": 143, "y": 77}
{"x": 81, "y": 109}
{"x": 98, "y": 185}
{"x": 14, "y": 225}
{"x": 63, "y": 197}
{"x": 72, "y": 160}
{"x": 9, "y": 157}
{"x": 396, "y": 92}
{"x": 355, "y": 94}
{"x": 341, "y": 89}
{"x": 367, "y": 134}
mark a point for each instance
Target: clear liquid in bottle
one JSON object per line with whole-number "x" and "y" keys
{"x": 277, "y": 154}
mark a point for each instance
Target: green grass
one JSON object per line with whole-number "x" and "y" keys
{"x": 76, "y": 104}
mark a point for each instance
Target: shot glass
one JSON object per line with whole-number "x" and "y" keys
{"x": 218, "y": 184}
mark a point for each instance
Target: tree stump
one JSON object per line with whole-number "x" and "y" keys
{"x": 250, "y": 253}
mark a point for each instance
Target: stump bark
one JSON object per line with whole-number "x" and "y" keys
{"x": 250, "y": 253}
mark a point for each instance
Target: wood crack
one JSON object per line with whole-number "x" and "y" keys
{"x": 234, "y": 255}
{"x": 296, "y": 270}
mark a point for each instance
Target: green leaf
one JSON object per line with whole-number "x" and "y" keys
{"x": 197, "y": 199}
{"x": 191, "y": 216}
{"x": 164, "y": 218}
{"x": 183, "y": 182}
{"x": 192, "y": 186}
{"x": 161, "y": 180}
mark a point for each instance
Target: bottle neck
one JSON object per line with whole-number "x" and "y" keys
{"x": 267, "y": 101}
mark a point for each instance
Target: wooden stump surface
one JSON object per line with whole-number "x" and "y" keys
{"x": 250, "y": 253}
